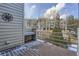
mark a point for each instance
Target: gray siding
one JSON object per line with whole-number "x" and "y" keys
{"x": 11, "y": 32}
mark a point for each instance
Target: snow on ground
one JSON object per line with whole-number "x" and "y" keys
{"x": 26, "y": 46}
{"x": 40, "y": 40}
{"x": 34, "y": 43}
{"x": 72, "y": 47}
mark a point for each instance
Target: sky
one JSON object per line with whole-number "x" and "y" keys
{"x": 37, "y": 10}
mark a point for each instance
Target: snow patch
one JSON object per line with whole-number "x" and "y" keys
{"x": 40, "y": 40}
{"x": 72, "y": 47}
{"x": 49, "y": 43}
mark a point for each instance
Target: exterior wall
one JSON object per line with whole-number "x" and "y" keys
{"x": 11, "y": 33}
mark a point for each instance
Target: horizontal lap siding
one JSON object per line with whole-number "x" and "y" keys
{"x": 11, "y": 32}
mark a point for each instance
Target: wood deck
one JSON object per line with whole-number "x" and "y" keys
{"x": 37, "y": 48}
